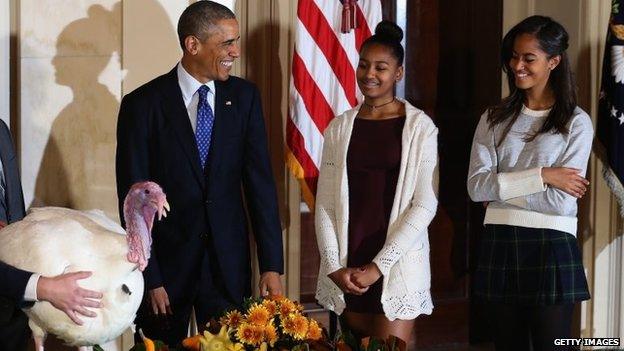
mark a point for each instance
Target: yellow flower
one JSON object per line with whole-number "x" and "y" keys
{"x": 232, "y": 319}
{"x": 287, "y": 307}
{"x": 258, "y": 315}
{"x": 270, "y": 334}
{"x": 219, "y": 342}
{"x": 314, "y": 330}
{"x": 296, "y": 326}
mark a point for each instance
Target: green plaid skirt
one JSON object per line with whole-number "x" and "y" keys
{"x": 529, "y": 266}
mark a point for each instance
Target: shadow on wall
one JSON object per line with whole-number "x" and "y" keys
{"x": 78, "y": 164}
{"x": 266, "y": 72}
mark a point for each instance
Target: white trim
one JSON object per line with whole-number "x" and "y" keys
{"x": 5, "y": 61}
{"x": 401, "y": 20}
{"x": 616, "y": 187}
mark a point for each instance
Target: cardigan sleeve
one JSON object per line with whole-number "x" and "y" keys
{"x": 414, "y": 222}
{"x": 485, "y": 183}
{"x": 325, "y": 218}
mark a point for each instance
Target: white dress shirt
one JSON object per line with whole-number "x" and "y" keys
{"x": 189, "y": 86}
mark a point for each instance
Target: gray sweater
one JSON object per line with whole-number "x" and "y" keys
{"x": 509, "y": 176}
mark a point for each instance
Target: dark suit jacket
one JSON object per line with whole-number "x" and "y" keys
{"x": 12, "y": 280}
{"x": 155, "y": 141}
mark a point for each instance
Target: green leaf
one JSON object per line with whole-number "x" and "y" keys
{"x": 375, "y": 345}
{"x": 97, "y": 348}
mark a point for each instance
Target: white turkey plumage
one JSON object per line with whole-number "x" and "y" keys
{"x": 53, "y": 241}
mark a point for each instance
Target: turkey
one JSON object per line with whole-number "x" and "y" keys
{"x": 53, "y": 240}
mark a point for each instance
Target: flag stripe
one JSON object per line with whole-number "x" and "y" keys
{"x": 313, "y": 19}
{"x": 362, "y": 32}
{"x": 313, "y": 99}
{"x": 320, "y": 71}
{"x": 333, "y": 14}
{"x": 313, "y": 138}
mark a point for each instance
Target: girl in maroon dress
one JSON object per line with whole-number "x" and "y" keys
{"x": 389, "y": 159}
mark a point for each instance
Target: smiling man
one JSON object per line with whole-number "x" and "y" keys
{"x": 199, "y": 133}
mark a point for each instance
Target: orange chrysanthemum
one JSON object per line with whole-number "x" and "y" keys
{"x": 258, "y": 315}
{"x": 296, "y": 326}
{"x": 271, "y": 306}
{"x": 287, "y": 307}
{"x": 299, "y": 307}
{"x": 245, "y": 333}
{"x": 301, "y": 326}
{"x": 314, "y": 330}
{"x": 257, "y": 335}
{"x": 232, "y": 319}
{"x": 270, "y": 334}
{"x": 277, "y": 298}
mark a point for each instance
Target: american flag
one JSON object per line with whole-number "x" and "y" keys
{"x": 610, "y": 128}
{"x": 329, "y": 34}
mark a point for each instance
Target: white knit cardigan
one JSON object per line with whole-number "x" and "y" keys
{"x": 404, "y": 258}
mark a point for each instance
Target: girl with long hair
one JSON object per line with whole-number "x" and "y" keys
{"x": 527, "y": 165}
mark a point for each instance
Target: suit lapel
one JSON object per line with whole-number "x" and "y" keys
{"x": 178, "y": 116}
{"x": 223, "y": 111}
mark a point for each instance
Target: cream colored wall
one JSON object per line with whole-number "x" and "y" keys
{"x": 70, "y": 87}
{"x": 600, "y": 229}
{"x": 5, "y": 32}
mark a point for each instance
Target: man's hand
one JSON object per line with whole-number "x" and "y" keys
{"x": 159, "y": 299}
{"x": 343, "y": 278}
{"x": 270, "y": 284}
{"x": 63, "y": 292}
{"x": 366, "y": 275}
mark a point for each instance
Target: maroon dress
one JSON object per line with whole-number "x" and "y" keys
{"x": 373, "y": 162}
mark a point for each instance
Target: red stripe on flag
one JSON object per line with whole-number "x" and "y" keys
{"x": 362, "y": 31}
{"x": 313, "y": 99}
{"x": 318, "y": 27}
{"x": 296, "y": 144}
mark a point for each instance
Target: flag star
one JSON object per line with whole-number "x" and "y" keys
{"x": 621, "y": 118}
{"x": 614, "y": 111}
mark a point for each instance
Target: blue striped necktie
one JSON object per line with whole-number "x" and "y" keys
{"x": 4, "y": 213}
{"x": 205, "y": 121}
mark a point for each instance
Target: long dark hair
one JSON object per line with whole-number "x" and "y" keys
{"x": 553, "y": 40}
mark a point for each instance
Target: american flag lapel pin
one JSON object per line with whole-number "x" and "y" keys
{"x": 228, "y": 103}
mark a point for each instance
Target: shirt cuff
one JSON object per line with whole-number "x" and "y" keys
{"x": 515, "y": 184}
{"x": 30, "y": 294}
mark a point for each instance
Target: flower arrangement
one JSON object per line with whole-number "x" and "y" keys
{"x": 272, "y": 324}
{"x": 275, "y": 323}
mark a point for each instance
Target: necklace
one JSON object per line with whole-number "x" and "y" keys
{"x": 373, "y": 107}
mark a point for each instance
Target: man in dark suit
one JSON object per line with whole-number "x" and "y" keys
{"x": 199, "y": 133}
{"x": 18, "y": 287}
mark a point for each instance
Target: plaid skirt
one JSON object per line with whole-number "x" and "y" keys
{"x": 529, "y": 266}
